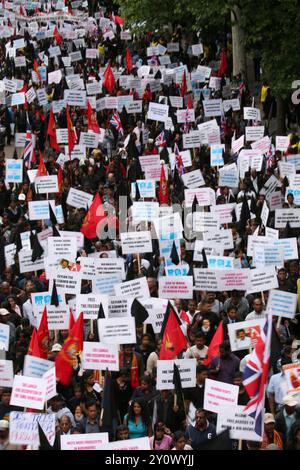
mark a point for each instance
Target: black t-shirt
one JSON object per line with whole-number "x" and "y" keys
{"x": 195, "y": 395}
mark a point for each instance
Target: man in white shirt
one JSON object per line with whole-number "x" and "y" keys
{"x": 277, "y": 389}
{"x": 243, "y": 341}
{"x": 28, "y": 313}
{"x": 199, "y": 350}
{"x": 258, "y": 311}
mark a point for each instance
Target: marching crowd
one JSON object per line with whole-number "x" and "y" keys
{"x": 123, "y": 66}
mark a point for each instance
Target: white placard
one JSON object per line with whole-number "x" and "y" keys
{"x": 244, "y": 335}
{"x": 165, "y": 370}
{"x": 67, "y": 282}
{"x": 79, "y": 199}
{"x": 26, "y": 264}
{"x": 6, "y": 373}
{"x": 282, "y": 304}
{"x": 254, "y": 133}
{"x": 23, "y": 428}
{"x": 14, "y": 171}
{"x": 193, "y": 179}
{"x": 92, "y": 441}
{"x": 219, "y": 394}
{"x": 46, "y": 184}
{"x": 212, "y": 108}
{"x": 179, "y": 287}
{"x": 241, "y": 425}
{"x": 89, "y": 304}
{"x": 99, "y": 356}
{"x": 262, "y": 279}
{"x": 136, "y": 242}
{"x": 36, "y": 366}
{"x": 28, "y": 392}
{"x": 121, "y": 332}
{"x": 137, "y": 288}
{"x": 158, "y": 112}
{"x": 205, "y": 221}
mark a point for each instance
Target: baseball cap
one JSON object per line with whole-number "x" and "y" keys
{"x": 4, "y": 311}
{"x": 4, "y": 424}
{"x": 56, "y": 347}
{"x": 289, "y": 400}
{"x": 22, "y": 197}
{"x": 269, "y": 418}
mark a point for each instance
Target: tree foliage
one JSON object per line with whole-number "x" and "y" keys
{"x": 269, "y": 27}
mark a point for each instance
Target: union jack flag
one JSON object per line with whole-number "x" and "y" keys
{"x": 179, "y": 162}
{"x": 115, "y": 121}
{"x": 256, "y": 374}
{"x": 28, "y": 154}
{"x": 161, "y": 140}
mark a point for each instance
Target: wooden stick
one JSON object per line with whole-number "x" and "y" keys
{"x": 278, "y": 322}
{"x": 144, "y": 329}
{"x": 139, "y": 262}
{"x": 175, "y": 399}
{"x": 55, "y": 336}
{"x": 240, "y": 444}
{"x": 92, "y": 326}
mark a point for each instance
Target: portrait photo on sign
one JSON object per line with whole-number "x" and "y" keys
{"x": 244, "y": 335}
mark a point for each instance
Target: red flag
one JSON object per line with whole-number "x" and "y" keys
{"x": 57, "y": 36}
{"x": 60, "y": 180}
{"x": 163, "y": 188}
{"x": 72, "y": 138}
{"x": 173, "y": 339}
{"x": 51, "y": 132}
{"x": 190, "y": 103}
{"x": 36, "y": 69}
{"x": 43, "y": 335}
{"x": 129, "y": 60}
{"x": 33, "y": 348}
{"x": 223, "y": 65}
{"x": 42, "y": 170}
{"x": 94, "y": 216}
{"x": 67, "y": 357}
{"x": 109, "y": 79}
{"x": 92, "y": 120}
{"x": 183, "y": 90}
{"x": 214, "y": 347}
{"x": 72, "y": 321}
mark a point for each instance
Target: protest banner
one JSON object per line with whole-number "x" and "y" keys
{"x": 212, "y": 108}
{"x": 178, "y": 287}
{"x": 107, "y": 266}
{"x": 216, "y": 155}
{"x": 23, "y": 427}
{"x": 36, "y": 366}
{"x": 28, "y": 392}
{"x": 240, "y": 423}
{"x": 205, "y": 221}
{"x": 137, "y": 288}
{"x": 262, "y": 279}
{"x": 64, "y": 247}
{"x": 219, "y": 262}
{"x": 75, "y": 98}
{"x": 99, "y": 356}
{"x": 228, "y": 176}
{"x": 252, "y": 114}
{"x": 287, "y": 169}
{"x": 134, "y": 107}
{"x": 46, "y": 184}
{"x": 106, "y": 284}
{"x": 67, "y": 282}
{"x": 6, "y": 373}
{"x": 79, "y": 199}
{"x": 206, "y": 279}
{"x": 203, "y": 196}
{"x": 121, "y": 332}
{"x": 58, "y": 317}
{"x": 288, "y": 245}
{"x": 89, "y": 305}
{"x": 26, "y": 264}
{"x": 146, "y": 188}
{"x": 219, "y": 394}
{"x": 141, "y": 443}
{"x": 89, "y": 139}
{"x": 193, "y": 179}
{"x": 191, "y": 140}
{"x": 275, "y": 200}
{"x": 234, "y": 104}
{"x": 223, "y": 212}
{"x": 92, "y": 441}
{"x": 292, "y": 376}
{"x": 50, "y": 379}
{"x": 254, "y": 133}
{"x": 232, "y": 279}
{"x": 38, "y": 210}
{"x": 267, "y": 255}
{"x": 221, "y": 237}
{"x": 168, "y": 227}
{"x": 119, "y": 306}
{"x": 244, "y": 335}
{"x": 10, "y": 251}
{"x": 282, "y": 142}
{"x": 136, "y": 242}
{"x": 14, "y": 171}
{"x": 165, "y": 371}
{"x": 282, "y": 304}
{"x": 144, "y": 211}
{"x": 157, "y": 112}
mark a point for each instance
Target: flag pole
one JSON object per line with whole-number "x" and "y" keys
{"x": 240, "y": 444}
{"x": 92, "y": 327}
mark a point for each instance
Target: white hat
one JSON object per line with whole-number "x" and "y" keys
{"x": 269, "y": 418}
{"x": 56, "y": 347}
{"x": 4, "y": 424}
{"x": 22, "y": 197}
{"x": 4, "y": 312}
{"x": 289, "y": 400}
